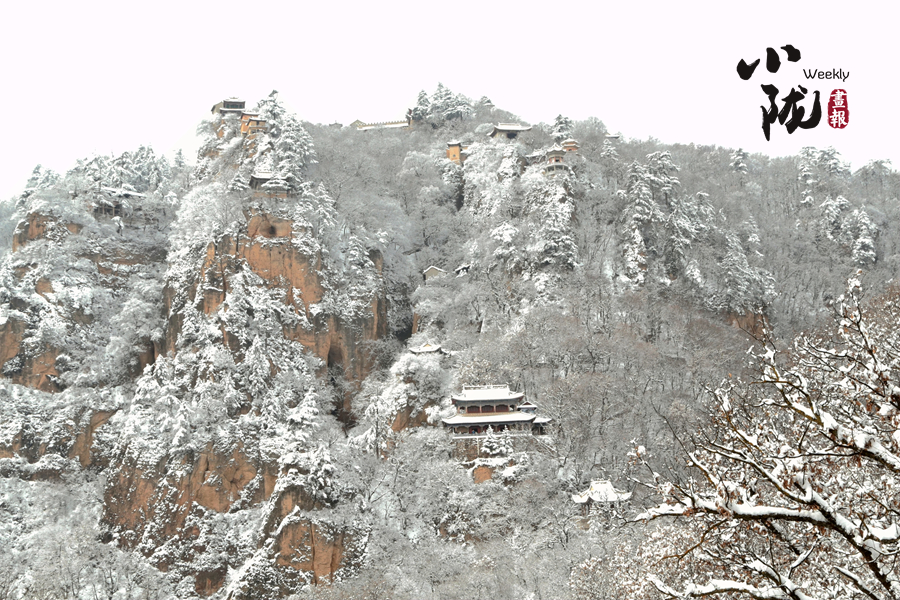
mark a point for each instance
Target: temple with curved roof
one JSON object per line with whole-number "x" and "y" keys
{"x": 492, "y": 406}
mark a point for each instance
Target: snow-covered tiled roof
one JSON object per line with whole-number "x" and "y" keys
{"x": 426, "y": 349}
{"x": 477, "y": 419}
{"x": 508, "y": 128}
{"x": 122, "y": 192}
{"x": 601, "y": 491}
{"x": 487, "y": 392}
{"x": 383, "y": 125}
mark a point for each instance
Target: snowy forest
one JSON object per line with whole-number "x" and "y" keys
{"x": 229, "y": 376}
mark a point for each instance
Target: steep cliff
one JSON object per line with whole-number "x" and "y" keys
{"x": 268, "y": 251}
{"x": 232, "y": 349}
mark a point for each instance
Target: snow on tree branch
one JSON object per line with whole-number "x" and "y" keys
{"x": 803, "y": 462}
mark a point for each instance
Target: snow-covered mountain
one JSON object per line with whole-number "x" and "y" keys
{"x": 213, "y": 377}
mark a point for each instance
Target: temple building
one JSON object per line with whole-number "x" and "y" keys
{"x": 508, "y": 130}
{"x": 555, "y": 161}
{"x": 259, "y": 179}
{"x": 456, "y": 152}
{"x": 229, "y": 105}
{"x": 601, "y": 492}
{"x": 251, "y": 124}
{"x": 494, "y": 406}
{"x": 115, "y": 202}
{"x": 432, "y": 272}
{"x": 555, "y": 154}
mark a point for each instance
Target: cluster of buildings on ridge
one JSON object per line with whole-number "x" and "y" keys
{"x": 251, "y": 123}
{"x": 456, "y": 151}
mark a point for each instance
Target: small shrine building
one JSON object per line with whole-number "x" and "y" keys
{"x": 601, "y": 492}
{"x": 432, "y": 272}
{"x": 456, "y": 152}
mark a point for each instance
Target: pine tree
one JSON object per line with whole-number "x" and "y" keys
{"x": 642, "y": 209}
{"x": 831, "y": 223}
{"x": 738, "y": 164}
{"x": 462, "y": 108}
{"x": 179, "y": 162}
{"x": 122, "y": 173}
{"x": 41, "y": 178}
{"x": 494, "y": 445}
{"x": 441, "y": 100}
{"x": 423, "y": 107}
{"x": 660, "y": 172}
{"x": 609, "y": 154}
{"x": 273, "y": 111}
{"x": 293, "y": 151}
{"x": 808, "y": 176}
{"x": 744, "y": 288}
{"x": 258, "y": 370}
{"x": 562, "y": 128}
{"x": 303, "y": 419}
{"x": 865, "y": 231}
{"x": 320, "y": 473}
{"x": 238, "y": 183}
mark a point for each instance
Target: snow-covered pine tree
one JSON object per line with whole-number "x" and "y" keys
{"x": 739, "y": 164}
{"x": 422, "y": 110}
{"x": 496, "y": 446}
{"x": 562, "y": 128}
{"x": 293, "y": 150}
{"x": 864, "y": 232}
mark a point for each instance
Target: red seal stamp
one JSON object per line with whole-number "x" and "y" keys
{"x": 838, "y": 109}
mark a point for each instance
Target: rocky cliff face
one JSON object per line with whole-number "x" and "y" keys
{"x": 171, "y": 505}
{"x": 66, "y": 283}
{"x": 175, "y": 512}
{"x": 36, "y": 366}
{"x": 267, "y": 250}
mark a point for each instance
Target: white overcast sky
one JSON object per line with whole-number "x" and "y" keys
{"x": 97, "y": 77}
